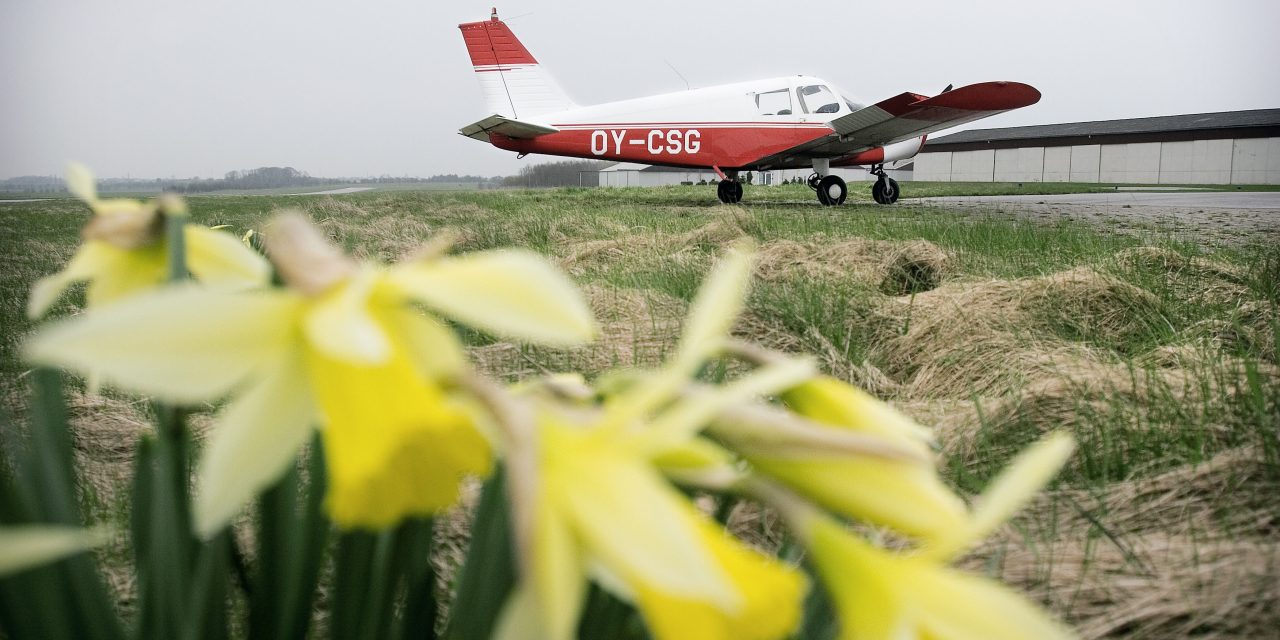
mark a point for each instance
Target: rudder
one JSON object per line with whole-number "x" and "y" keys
{"x": 512, "y": 81}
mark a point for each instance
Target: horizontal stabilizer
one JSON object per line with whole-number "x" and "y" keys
{"x": 911, "y": 115}
{"x": 505, "y": 126}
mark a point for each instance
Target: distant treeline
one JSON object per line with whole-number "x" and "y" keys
{"x": 566, "y": 173}
{"x": 260, "y": 178}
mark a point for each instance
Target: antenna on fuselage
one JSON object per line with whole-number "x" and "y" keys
{"x": 673, "y": 68}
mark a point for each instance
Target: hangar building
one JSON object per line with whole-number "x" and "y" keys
{"x": 1232, "y": 147}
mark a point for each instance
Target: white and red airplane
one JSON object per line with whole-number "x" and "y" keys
{"x": 778, "y": 123}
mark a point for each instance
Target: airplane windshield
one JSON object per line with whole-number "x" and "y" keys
{"x": 816, "y": 98}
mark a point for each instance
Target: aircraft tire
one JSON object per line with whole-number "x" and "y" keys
{"x": 885, "y": 191}
{"x": 729, "y": 191}
{"x": 832, "y": 190}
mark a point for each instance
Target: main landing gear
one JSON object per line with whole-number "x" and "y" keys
{"x": 831, "y": 189}
{"x": 885, "y": 190}
{"x": 729, "y": 191}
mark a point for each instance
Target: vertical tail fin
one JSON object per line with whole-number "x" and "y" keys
{"x": 513, "y": 83}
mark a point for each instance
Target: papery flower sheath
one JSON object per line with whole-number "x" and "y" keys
{"x": 124, "y": 251}
{"x": 340, "y": 347}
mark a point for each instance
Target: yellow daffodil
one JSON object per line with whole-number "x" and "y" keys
{"x": 899, "y": 491}
{"x": 882, "y": 595}
{"x": 598, "y": 504}
{"x": 124, "y": 252}
{"x": 341, "y": 348}
{"x": 28, "y": 546}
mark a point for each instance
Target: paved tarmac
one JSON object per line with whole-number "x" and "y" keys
{"x": 1207, "y": 218}
{"x": 1197, "y": 200}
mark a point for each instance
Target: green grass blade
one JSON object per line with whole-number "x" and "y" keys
{"x": 488, "y": 574}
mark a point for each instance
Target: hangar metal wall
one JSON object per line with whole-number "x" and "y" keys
{"x": 1238, "y": 161}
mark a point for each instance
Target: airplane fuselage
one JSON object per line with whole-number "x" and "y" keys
{"x": 731, "y": 126}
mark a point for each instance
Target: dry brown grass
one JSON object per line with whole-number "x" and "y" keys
{"x": 637, "y": 328}
{"x": 894, "y": 267}
{"x": 1188, "y": 552}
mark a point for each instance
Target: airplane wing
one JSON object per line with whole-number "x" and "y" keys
{"x": 507, "y": 127}
{"x": 911, "y": 115}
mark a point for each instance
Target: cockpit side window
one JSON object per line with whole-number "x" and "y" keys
{"x": 817, "y": 98}
{"x": 774, "y": 103}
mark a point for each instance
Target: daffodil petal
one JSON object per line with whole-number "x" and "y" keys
{"x": 90, "y": 259}
{"x": 965, "y": 607}
{"x": 182, "y": 344}
{"x": 718, "y": 303}
{"x": 522, "y": 617}
{"x": 432, "y": 346}
{"x": 558, "y": 575}
{"x": 860, "y": 580}
{"x": 623, "y": 534}
{"x": 841, "y": 405}
{"x": 220, "y": 260}
{"x": 254, "y": 441}
{"x": 81, "y": 183}
{"x": 716, "y": 308}
{"x": 1008, "y": 492}
{"x": 124, "y": 273}
{"x": 342, "y": 326}
{"x": 509, "y": 292}
{"x": 25, "y": 547}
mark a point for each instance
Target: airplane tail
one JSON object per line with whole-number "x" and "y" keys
{"x": 513, "y": 83}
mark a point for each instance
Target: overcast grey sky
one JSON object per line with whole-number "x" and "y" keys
{"x": 163, "y": 88}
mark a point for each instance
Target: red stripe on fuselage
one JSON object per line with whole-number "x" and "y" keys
{"x": 728, "y": 147}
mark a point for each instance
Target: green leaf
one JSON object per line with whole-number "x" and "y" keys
{"x": 419, "y": 620}
{"x": 292, "y": 534}
{"x": 488, "y": 574}
{"x": 353, "y": 566}
{"x": 820, "y": 619}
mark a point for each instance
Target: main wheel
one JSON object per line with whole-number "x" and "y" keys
{"x": 832, "y": 190}
{"x": 891, "y": 190}
{"x": 729, "y": 191}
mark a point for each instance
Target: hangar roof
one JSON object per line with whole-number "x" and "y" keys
{"x": 1196, "y": 126}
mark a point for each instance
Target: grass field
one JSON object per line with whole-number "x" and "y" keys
{"x": 1159, "y": 354}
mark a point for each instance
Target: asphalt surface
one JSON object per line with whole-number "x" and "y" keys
{"x": 1197, "y": 200}
{"x": 1206, "y": 218}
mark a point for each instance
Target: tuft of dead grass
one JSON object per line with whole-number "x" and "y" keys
{"x": 893, "y": 267}
{"x": 986, "y": 337}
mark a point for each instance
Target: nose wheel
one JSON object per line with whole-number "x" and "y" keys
{"x": 729, "y": 191}
{"x": 831, "y": 189}
{"x": 885, "y": 190}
